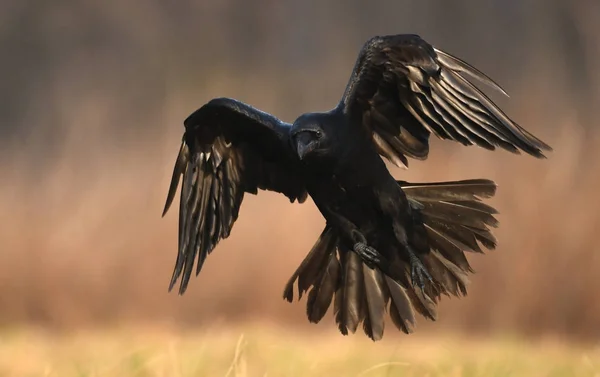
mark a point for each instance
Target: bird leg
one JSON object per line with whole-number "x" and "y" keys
{"x": 418, "y": 272}
{"x": 374, "y": 259}
{"x": 371, "y": 257}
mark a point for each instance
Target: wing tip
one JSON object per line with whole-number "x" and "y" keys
{"x": 182, "y": 286}
{"x": 540, "y": 145}
{"x": 525, "y": 141}
{"x": 458, "y": 65}
{"x": 165, "y": 210}
{"x": 182, "y": 290}
{"x": 172, "y": 283}
{"x": 178, "y": 169}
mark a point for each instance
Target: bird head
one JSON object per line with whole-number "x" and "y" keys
{"x": 309, "y": 136}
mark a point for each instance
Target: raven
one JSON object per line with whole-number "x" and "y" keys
{"x": 387, "y": 245}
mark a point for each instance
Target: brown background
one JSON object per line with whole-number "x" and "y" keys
{"x": 93, "y": 96}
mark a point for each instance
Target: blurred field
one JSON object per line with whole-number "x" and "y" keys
{"x": 91, "y": 115}
{"x": 257, "y": 351}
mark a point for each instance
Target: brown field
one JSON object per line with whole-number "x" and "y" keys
{"x": 90, "y": 122}
{"x": 260, "y": 351}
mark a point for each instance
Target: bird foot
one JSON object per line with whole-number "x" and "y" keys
{"x": 369, "y": 255}
{"x": 418, "y": 272}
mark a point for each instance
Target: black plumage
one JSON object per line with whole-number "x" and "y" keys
{"x": 387, "y": 245}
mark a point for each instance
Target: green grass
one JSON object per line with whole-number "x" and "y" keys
{"x": 268, "y": 352}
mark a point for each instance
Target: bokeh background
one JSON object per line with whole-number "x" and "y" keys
{"x": 93, "y": 95}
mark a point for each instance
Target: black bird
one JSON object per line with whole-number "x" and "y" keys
{"x": 385, "y": 242}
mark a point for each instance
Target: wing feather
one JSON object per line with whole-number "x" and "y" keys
{"x": 228, "y": 149}
{"x": 432, "y": 96}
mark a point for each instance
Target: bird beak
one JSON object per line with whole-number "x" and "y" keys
{"x": 303, "y": 149}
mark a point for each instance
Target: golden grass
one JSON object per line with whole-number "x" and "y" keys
{"x": 265, "y": 351}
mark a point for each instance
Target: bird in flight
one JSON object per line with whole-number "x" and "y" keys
{"x": 387, "y": 245}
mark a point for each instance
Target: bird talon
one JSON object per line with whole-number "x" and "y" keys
{"x": 418, "y": 272}
{"x": 369, "y": 255}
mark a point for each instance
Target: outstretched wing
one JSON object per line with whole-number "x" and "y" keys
{"x": 228, "y": 149}
{"x": 402, "y": 89}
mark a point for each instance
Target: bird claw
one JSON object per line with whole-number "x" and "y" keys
{"x": 369, "y": 255}
{"x": 418, "y": 272}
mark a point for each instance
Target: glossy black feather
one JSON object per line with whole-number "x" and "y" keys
{"x": 228, "y": 149}
{"x": 431, "y": 89}
{"x": 400, "y": 309}
{"x": 311, "y": 265}
{"x": 350, "y": 292}
{"x": 400, "y": 92}
{"x": 375, "y": 299}
{"x": 321, "y": 295}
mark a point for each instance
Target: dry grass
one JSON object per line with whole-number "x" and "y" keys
{"x": 261, "y": 351}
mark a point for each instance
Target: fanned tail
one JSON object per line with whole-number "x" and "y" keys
{"x": 455, "y": 221}
{"x": 359, "y": 293}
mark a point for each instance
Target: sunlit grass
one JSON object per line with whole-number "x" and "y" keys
{"x": 260, "y": 351}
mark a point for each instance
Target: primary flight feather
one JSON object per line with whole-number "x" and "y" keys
{"x": 387, "y": 245}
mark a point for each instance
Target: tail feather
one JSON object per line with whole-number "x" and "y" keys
{"x": 484, "y": 208}
{"x": 454, "y": 213}
{"x": 424, "y": 305}
{"x": 459, "y": 276}
{"x": 321, "y": 294}
{"x": 468, "y": 189}
{"x": 401, "y": 309}
{"x": 450, "y": 279}
{"x": 448, "y": 246}
{"x": 312, "y": 265}
{"x": 487, "y": 239}
{"x": 376, "y": 297}
{"x": 455, "y": 221}
{"x": 350, "y": 293}
{"x": 462, "y": 237}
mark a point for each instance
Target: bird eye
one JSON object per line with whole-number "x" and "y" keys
{"x": 319, "y": 134}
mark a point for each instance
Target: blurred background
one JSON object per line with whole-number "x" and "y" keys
{"x": 94, "y": 94}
